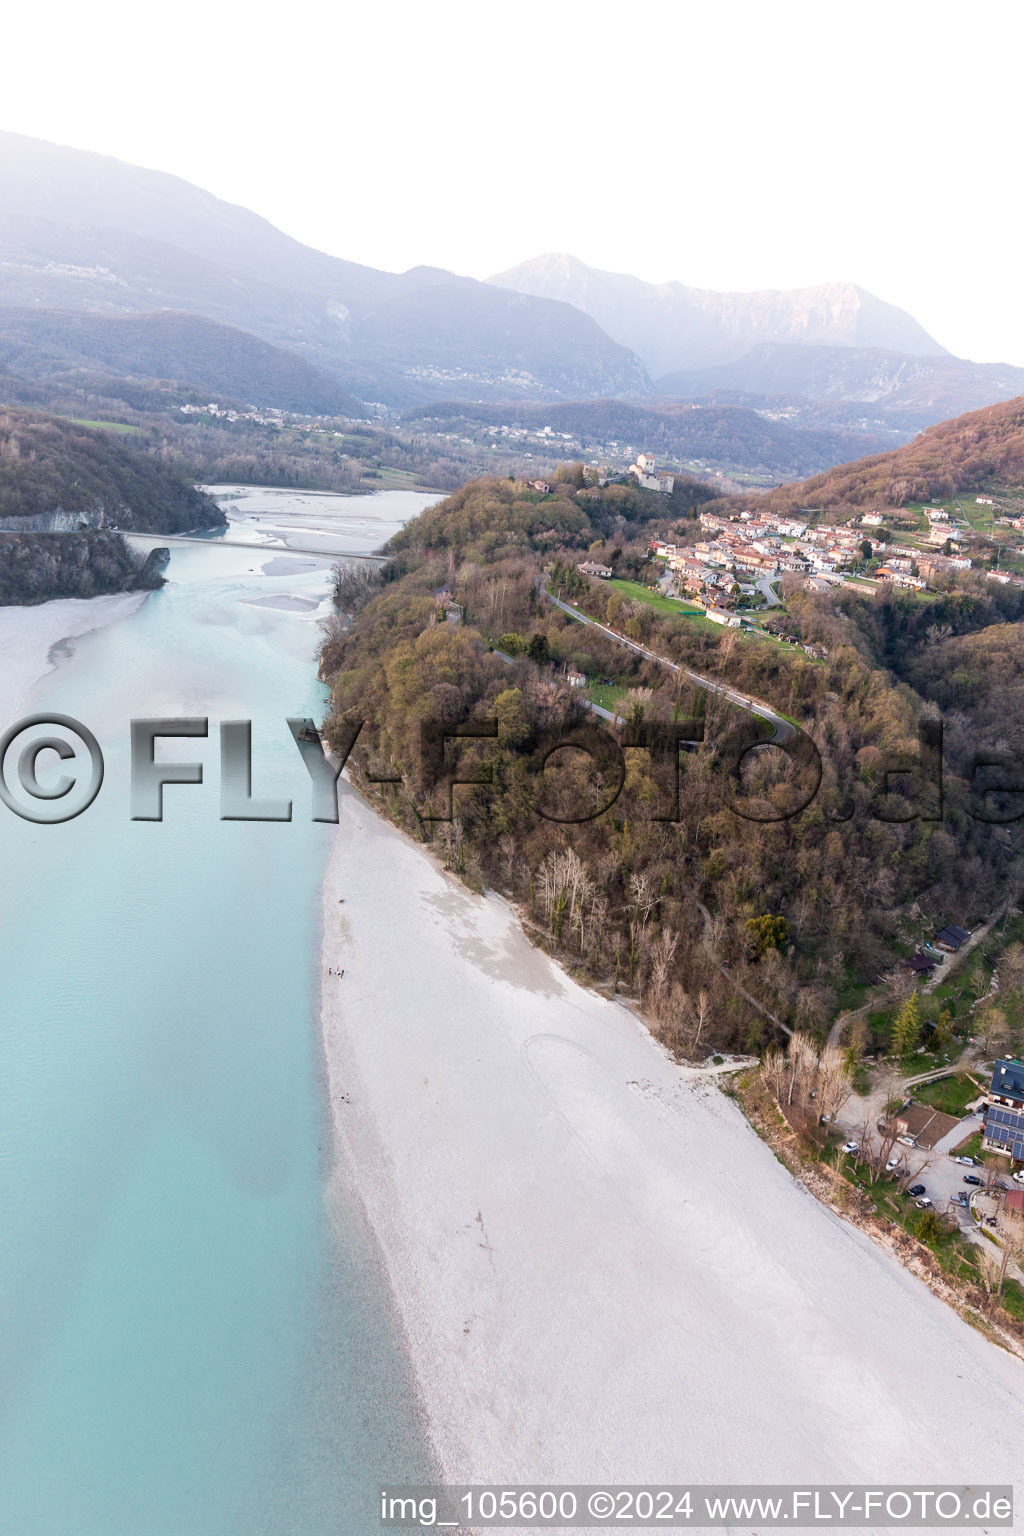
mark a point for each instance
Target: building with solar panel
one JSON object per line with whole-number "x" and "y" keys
{"x": 1004, "y": 1112}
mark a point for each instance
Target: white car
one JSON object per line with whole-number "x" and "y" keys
{"x": 906, "y": 1141}
{"x": 923, "y": 1203}
{"x": 965, "y": 1162}
{"x": 1019, "y": 1175}
{"x": 851, "y": 1146}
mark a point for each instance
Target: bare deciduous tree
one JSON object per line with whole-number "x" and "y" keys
{"x": 699, "y": 1009}
{"x": 663, "y": 952}
{"x": 834, "y": 1085}
{"x": 802, "y": 1056}
{"x": 773, "y": 1071}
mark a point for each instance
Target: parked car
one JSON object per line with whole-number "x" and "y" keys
{"x": 1001, "y": 1186}
{"x": 923, "y": 1203}
{"x": 971, "y": 1178}
{"x": 961, "y": 1199}
{"x": 851, "y": 1146}
{"x": 915, "y": 1189}
{"x": 892, "y": 1164}
{"x": 1019, "y": 1175}
{"x": 966, "y": 1162}
{"x": 906, "y": 1141}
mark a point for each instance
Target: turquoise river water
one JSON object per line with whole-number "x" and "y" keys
{"x": 189, "y": 1344}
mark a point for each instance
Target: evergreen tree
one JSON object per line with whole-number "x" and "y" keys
{"x": 906, "y": 1027}
{"x": 944, "y": 1030}
{"x": 929, "y": 1227}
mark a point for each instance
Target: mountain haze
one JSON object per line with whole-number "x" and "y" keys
{"x": 673, "y": 326}
{"x": 928, "y": 388}
{"x": 87, "y": 232}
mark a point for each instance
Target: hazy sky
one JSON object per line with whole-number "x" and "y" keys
{"x": 727, "y": 145}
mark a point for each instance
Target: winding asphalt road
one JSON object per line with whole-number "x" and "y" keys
{"x": 782, "y": 730}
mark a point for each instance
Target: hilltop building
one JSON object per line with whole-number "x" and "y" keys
{"x": 646, "y": 472}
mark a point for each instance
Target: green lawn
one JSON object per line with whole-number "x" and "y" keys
{"x": 950, "y": 1094}
{"x": 641, "y": 594}
{"x": 397, "y": 480}
{"x": 608, "y": 695}
{"x": 980, "y": 518}
{"x": 103, "y": 426}
{"x": 971, "y": 1147}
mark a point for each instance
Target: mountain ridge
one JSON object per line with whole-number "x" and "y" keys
{"x": 942, "y": 386}
{"x": 672, "y": 325}
{"x": 62, "y": 347}
{"x": 85, "y": 231}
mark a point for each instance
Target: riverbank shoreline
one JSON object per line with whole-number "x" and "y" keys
{"x": 31, "y": 639}
{"x": 599, "y": 1269}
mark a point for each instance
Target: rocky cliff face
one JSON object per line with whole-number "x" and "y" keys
{"x": 35, "y": 567}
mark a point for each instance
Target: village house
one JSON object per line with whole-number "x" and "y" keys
{"x": 900, "y": 578}
{"x": 1004, "y": 1110}
{"x": 592, "y": 568}
{"x": 935, "y": 567}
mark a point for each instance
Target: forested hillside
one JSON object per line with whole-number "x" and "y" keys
{"x": 65, "y": 350}
{"x": 35, "y": 567}
{"x": 64, "y": 491}
{"x": 49, "y": 467}
{"x": 983, "y": 448}
{"x": 797, "y": 909}
{"x": 729, "y": 436}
